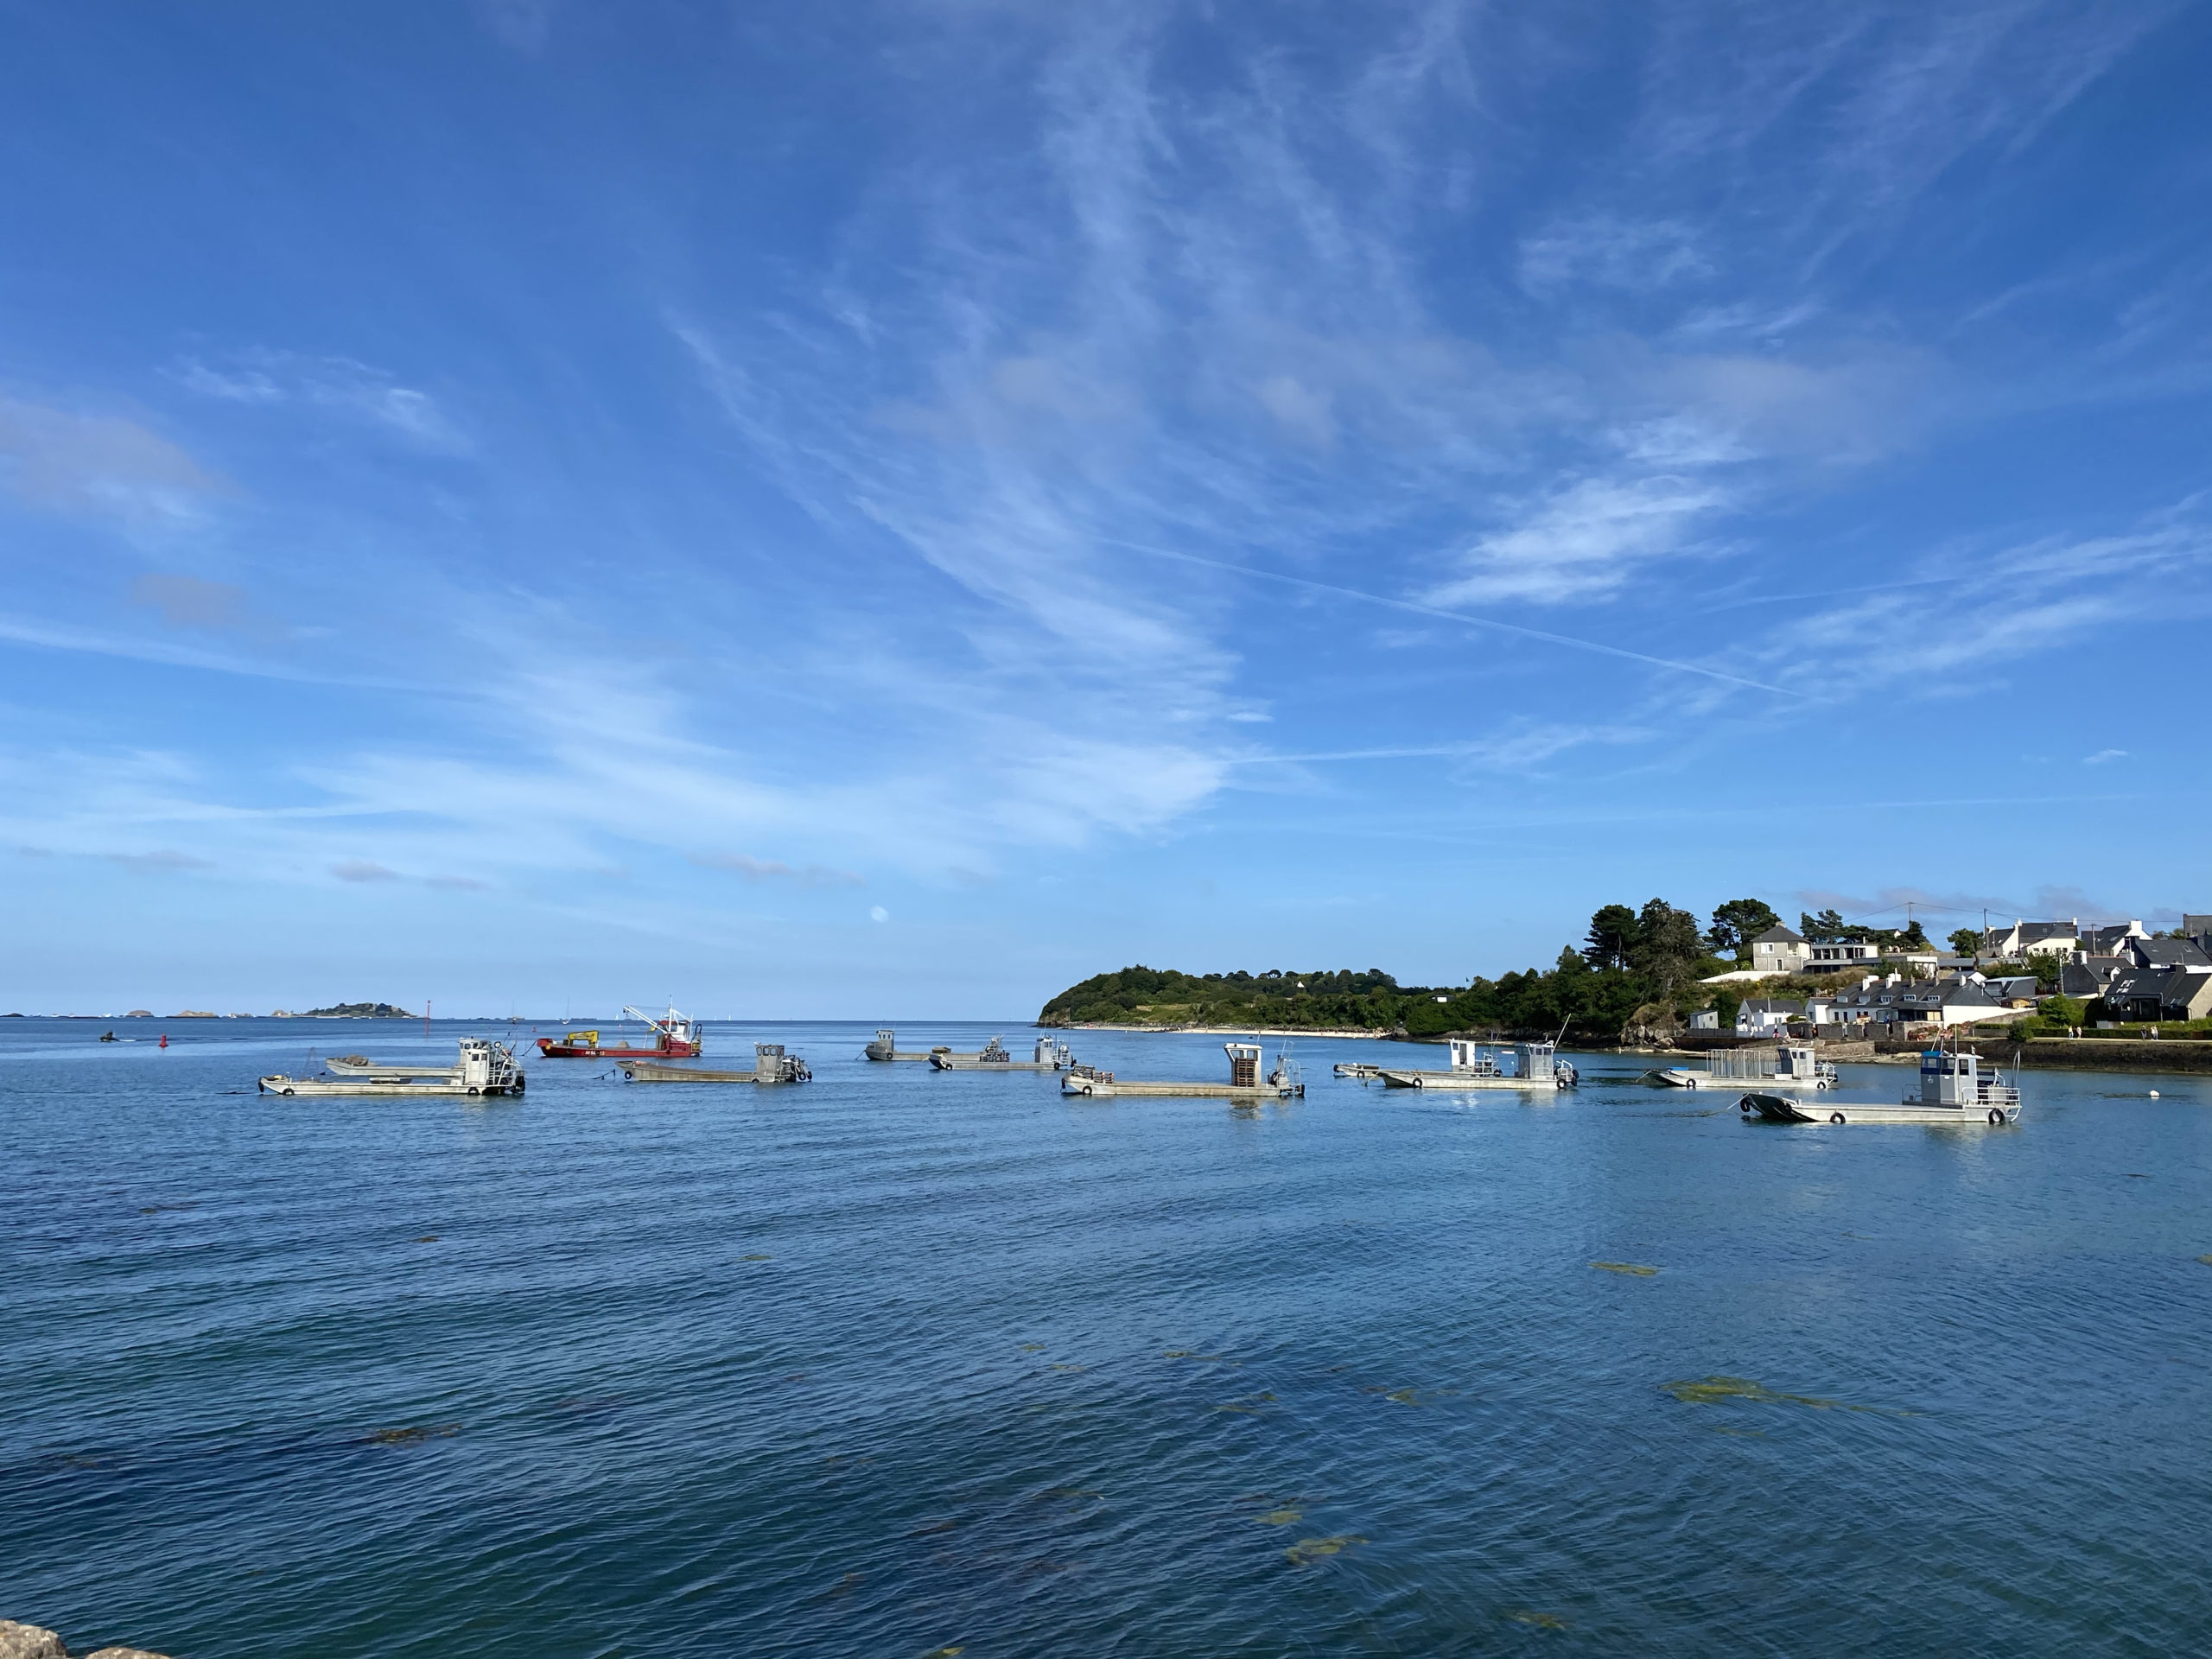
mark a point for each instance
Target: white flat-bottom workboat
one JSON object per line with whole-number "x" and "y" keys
{"x": 1954, "y": 1090}
{"x": 485, "y": 1068}
{"x": 1487, "y": 1065}
{"x": 1786, "y": 1066}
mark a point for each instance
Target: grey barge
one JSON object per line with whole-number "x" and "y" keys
{"x": 1050, "y": 1056}
{"x": 886, "y": 1047}
{"x": 770, "y": 1065}
{"x": 1284, "y": 1082}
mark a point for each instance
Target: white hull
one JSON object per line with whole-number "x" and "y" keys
{"x": 1457, "y": 1080}
{"x": 485, "y": 1068}
{"x": 284, "y": 1085}
{"x": 1680, "y": 1078}
{"x": 1841, "y": 1114}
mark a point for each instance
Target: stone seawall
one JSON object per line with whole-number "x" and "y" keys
{"x": 2075, "y": 1053}
{"x": 2106, "y": 1054}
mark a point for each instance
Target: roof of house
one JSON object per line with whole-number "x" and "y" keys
{"x": 2088, "y": 978}
{"x": 1771, "y": 1005}
{"x": 1779, "y": 935}
{"x": 1913, "y": 992}
{"x": 2099, "y": 940}
{"x": 1968, "y": 995}
{"x": 2175, "y": 985}
{"x": 2168, "y": 953}
{"x": 2031, "y": 932}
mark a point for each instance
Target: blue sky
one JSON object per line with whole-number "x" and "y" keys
{"x": 887, "y": 510}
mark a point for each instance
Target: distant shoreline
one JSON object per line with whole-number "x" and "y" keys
{"x": 1243, "y": 1031}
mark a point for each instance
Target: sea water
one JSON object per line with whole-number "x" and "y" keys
{"x": 900, "y": 1362}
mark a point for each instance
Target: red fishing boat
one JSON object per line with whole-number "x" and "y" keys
{"x": 674, "y": 1037}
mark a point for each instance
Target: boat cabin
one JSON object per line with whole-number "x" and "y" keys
{"x": 1495, "y": 1060}
{"x": 1052, "y": 1052}
{"x": 1954, "y": 1079}
{"x": 487, "y": 1066}
{"x": 1244, "y": 1065}
{"x": 1795, "y": 1061}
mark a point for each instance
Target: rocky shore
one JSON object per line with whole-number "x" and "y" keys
{"x": 36, "y": 1642}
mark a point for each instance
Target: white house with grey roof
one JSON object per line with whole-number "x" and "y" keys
{"x": 2023, "y": 937}
{"x": 1893, "y": 999}
{"x": 2108, "y": 941}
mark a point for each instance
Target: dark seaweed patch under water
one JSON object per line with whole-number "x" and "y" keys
{"x": 413, "y": 1434}
{"x": 1711, "y": 1390}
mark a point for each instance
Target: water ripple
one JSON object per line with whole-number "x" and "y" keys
{"x": 898, "y": 1362}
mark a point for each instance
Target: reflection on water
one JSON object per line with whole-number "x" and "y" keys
{"x": 261, "y": 1415}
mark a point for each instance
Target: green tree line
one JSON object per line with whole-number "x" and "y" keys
{"x": 1633, "y": 966}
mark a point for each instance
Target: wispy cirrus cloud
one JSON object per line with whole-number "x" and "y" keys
{"x": 341, "y": 384}
{"x": 1997, "y": 604}
{"x": 1585, "y": 539}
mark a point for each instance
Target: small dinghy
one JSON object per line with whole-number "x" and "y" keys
{"x": 1954, "y": 1090}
